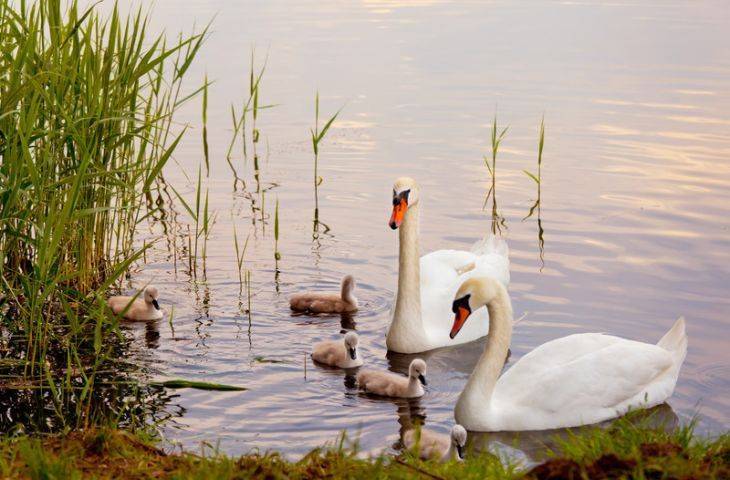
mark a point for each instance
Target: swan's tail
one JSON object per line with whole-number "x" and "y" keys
{"x": 491, "y": 244}
{"x": 675, "y": 341}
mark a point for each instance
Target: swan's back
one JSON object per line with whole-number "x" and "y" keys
{"x": 443, "y": 272}
{"x": 587, "y": 378}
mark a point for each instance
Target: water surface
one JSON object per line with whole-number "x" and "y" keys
{"x": 635, "y": 197}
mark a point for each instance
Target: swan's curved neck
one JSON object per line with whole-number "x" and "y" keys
{"x": 407, "y": 326}
{"x": 477, "y": 394}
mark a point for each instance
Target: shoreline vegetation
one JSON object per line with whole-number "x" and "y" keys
{"x": 623, "y": 450}
{"x": 87, "y": 104}
{"x": 86, "y": 127}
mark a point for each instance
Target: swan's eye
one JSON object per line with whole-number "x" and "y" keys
{"x": 398, "y": 197}
{"x": 462, "y": 302}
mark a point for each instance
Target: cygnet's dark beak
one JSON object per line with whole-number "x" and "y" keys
{"x": 353, "y": 353}
{"x": 155, "y": 304}
{"x": 422, "y": 379}
{"x": 460, "y": 451}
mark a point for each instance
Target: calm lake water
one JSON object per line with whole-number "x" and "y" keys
{"x": 635, "y": 197}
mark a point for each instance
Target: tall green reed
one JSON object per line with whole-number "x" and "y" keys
{"x": 277, "y": 253}
{"x": 537, "y": 178}
{"x": 537, "y": 205}
{"x": 86, "y": 127}
{"x": 202, "y": 221}
{"x": 317, "y": 136}
{"x": 498, "y": 221}
{"x": 206, "y": 149}
{"x": 249, "y": 108}
{"x": 240, "y": 257}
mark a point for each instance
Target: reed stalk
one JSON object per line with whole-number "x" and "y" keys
{"x": 317, "y": 136}
{"x": 498, "y": 221}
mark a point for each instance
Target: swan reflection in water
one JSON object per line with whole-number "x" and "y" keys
{"x": 459, "y": 359}
{"x": 151, "y": 331}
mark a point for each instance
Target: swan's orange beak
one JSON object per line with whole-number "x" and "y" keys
{"x": 461, "y": 315}
{"x": 400, "y": 205}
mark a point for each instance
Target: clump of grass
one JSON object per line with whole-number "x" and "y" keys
{"x": 86, "y": 127}
{"x": 498, "y": 221}
{"x": 634, "y": 448}
{"x": 106, "y": 454}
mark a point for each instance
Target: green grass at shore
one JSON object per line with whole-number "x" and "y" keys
{"x": 624, "y": 450}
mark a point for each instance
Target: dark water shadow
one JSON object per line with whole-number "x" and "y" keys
{"x": 118, "y": 391}
{"x": 150, "y": 329}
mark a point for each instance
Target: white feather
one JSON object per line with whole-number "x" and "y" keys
{"x": 575, "y": 380}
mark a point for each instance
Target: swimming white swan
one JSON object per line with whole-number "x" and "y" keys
{"x": 575, "y": 380}
{"x": 389, "y": 384}
{"x": 315, "y": 302}
{"x": 338, "y": 353}
{"x": 421, "y": 315}
{"x": 141, "y": 309}
{"x": 432, "y": 445}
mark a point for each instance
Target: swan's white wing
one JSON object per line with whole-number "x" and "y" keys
{"x": 440, "y": 280}
{"x": 581, "y": 378}
{"x": 443, "y": 272}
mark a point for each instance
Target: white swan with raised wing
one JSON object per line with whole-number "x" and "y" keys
{"x": 426, "y": 286}
{"x": 575, "y": 380}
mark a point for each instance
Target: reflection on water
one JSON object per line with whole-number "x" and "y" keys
{"x": 635, "y": 192}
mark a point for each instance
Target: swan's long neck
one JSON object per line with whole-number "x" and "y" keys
{"x": 407, "y": 327}
{"x": 477, "y": 394}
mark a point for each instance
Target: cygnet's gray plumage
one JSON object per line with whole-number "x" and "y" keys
{"x": 314, "y": 302}
{"x": 432, "y": 445}
{"x": 338, "y": 353}
{"x": 145, "y": 308}
{"x": 389, "y": 384}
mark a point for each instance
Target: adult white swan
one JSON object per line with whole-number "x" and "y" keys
{"x": 421, "y": 314}
{"x": 575, "y": 380}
